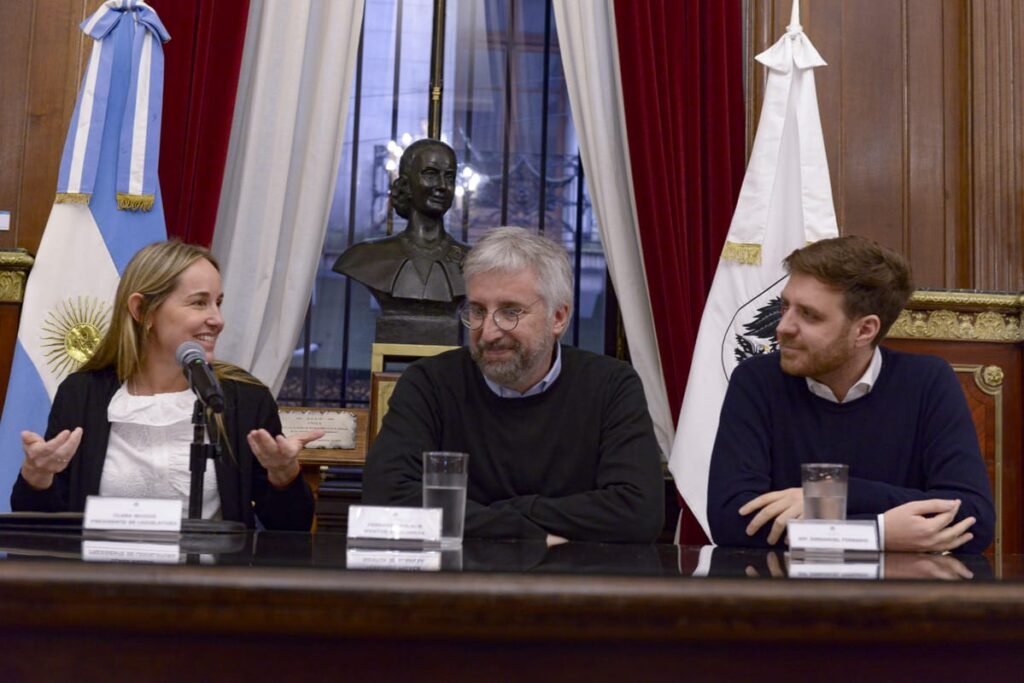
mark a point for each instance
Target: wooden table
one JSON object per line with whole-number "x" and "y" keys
{"x": 285, "y": 608}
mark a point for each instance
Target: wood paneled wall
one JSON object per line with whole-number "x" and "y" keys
{"x": 923, "y": 117}
{"x": 42, "y": 58}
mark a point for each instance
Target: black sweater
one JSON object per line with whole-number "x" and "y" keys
{"x": 82, "y": 401}
{"x": 579, "y": 460}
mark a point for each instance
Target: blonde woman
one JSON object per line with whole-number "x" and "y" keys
{"x": 122, "y": 424}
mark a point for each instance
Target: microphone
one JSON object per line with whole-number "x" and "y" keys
{"x": 203, "y": 382}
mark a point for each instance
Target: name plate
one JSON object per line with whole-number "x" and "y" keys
{"x": 339, "y": 426}
{"x": 117, "y": 551}
{"x": 400, "y": 560}
{"x": 825, "y": 534}
{"x": 132, "y": 514}
{"x": 379, "y": 523}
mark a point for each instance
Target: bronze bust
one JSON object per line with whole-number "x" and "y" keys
{"x": 416, "y": 275}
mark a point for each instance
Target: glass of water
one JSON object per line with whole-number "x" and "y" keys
{"x": 824, "y": 487}
{"x": 445, "y": 474}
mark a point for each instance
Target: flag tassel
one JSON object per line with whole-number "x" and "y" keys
{"x": 745, "y": 254}
{"x": 72, "y": 198}
{"x": 133, "y": 202}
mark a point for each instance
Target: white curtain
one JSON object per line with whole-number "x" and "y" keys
{"x": 286, "y": 139}
{"x": 590, "y": 57}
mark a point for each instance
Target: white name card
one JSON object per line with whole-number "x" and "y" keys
{"x": 132, "y": 514}
{"x": 339, "y": 426}
{"x": 394, "y": 523}
{"x": 118, "y": 551}
{"x": 825, "y": 534}
{"x": 400, "y": 560}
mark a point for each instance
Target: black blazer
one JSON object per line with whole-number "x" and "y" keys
{"x": 245, "y": 491}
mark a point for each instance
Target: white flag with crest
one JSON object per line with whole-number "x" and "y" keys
{"x": 785, "y": 202}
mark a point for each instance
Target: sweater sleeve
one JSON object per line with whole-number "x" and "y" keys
{"x": 282, "y": 509}
{"x": 741, "y": 462}
{"x": 952, "y": 464}
{"x": 627, "y": 504}
{"x": 394, "y": 468}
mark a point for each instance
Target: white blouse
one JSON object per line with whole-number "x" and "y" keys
{"x": 148, "y": 450}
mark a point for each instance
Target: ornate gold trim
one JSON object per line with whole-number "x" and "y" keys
{"x": 12, "y": 287}
{"x": 14, "y": 267}
{"x": 15, "y": 259}
{"x": 989, "y": 379}
{"x": 925, "y": 298}
{"x": 983, "y": 326}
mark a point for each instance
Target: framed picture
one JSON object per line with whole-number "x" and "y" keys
{"x": 382, "y": 384}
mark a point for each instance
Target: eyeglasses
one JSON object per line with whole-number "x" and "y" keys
{"x": 505, "y": 318}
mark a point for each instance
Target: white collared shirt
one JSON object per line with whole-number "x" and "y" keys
{"x": 861, "y": 387}
{"x": 539, "y": 388}
{"x": 148, "y": 451}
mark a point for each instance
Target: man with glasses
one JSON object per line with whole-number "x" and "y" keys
{"x": 561, "y": 444}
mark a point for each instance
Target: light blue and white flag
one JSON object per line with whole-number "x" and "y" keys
{"x": 108, "y": 206}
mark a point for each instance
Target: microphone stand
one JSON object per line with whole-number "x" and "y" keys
{"x": 199, "y": 453}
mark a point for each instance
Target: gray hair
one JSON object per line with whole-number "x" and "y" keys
{"x": 511, "y": 249}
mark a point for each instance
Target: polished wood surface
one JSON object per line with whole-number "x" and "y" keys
{"x": 573, "y": 619}
{"x": 922, "y": 127}
{"x": 996, "y": 142}
{"x": 43, "y": 55}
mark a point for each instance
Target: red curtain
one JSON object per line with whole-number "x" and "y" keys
{"x": 202, "y": 62}
{"x": 682, "y": 81}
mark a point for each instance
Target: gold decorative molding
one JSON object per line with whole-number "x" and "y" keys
{"x": 990, "y": 379}
{"x": 933, "y": 298}
{"x": 15, "y": 259}
{"x": 984, "y": 326}
{"x": 962, "y": 316}
{"x": 14, "y": 267}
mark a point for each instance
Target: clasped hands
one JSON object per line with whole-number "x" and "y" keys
{"x": 917, "y": 526}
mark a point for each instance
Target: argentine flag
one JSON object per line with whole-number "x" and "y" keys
{"x": 107, "y": 207}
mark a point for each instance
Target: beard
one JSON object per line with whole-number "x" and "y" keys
{"x": 816, "y": 363}
{"x": 512, "y": 370}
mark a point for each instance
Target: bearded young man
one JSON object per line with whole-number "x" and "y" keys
{"x": 831, "y": 394}
{"x": 560, "y": 442}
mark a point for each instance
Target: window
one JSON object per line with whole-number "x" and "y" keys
{"x": 505, "y": 112}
